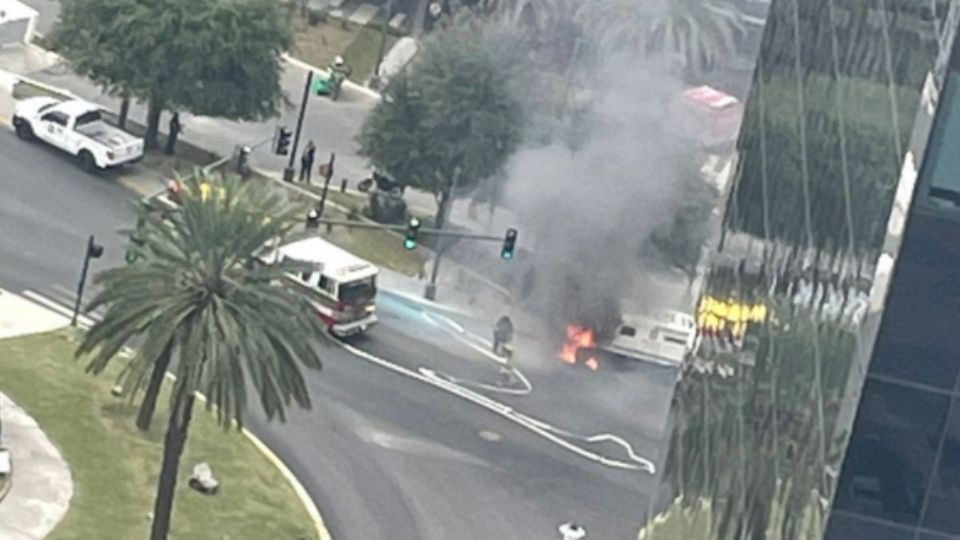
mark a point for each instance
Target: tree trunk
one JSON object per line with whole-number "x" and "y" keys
{"x": 154, "y": 109}
{"x": 124, "y": 111}
{"x": 173, "y": 445}
{"x": 149, "y": 403}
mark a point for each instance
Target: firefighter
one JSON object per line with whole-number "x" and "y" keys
{"x": 502, "y": 333}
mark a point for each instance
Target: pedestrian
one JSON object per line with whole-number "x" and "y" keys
{"x": 306, "y": 161}
{"x": 173, "y": 133}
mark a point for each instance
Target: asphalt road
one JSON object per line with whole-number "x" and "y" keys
{"x": 384, "y": 455}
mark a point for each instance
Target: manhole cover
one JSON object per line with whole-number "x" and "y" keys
{"x": 491, "y": 436}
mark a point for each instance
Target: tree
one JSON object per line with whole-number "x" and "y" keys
{"x": 696, "y": 34}
{"x": 451, "y": 118}
{"x": 207, "y": 57}
{"x": 201, "y": 296}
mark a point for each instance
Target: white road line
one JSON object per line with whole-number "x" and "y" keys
{"x": 485, "y": 349}
{"x": 68, "y": 297}
{"x": 498, "y": 389}
{"x": 82, "y": 320}
{"x": 503, "y": 410}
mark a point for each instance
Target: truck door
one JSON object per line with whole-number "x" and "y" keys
{"x": 53, "y": 126}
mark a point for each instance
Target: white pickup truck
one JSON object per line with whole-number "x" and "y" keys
{"x": 76, "y": 127}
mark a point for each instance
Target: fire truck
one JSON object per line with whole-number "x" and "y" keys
{"x": 709, "y": 116}
{"x": 341, "y": 286}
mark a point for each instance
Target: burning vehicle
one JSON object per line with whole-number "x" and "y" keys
{"x": 636, "y": 338}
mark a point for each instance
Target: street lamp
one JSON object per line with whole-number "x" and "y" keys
{"x": 94, "y": 251}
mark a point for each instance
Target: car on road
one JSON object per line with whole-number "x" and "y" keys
{"x": 76, "y": 127}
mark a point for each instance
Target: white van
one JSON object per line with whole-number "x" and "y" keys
{"x": 341, "y": 286}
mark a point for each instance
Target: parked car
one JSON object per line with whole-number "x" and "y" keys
{"x": 76, "y": 127}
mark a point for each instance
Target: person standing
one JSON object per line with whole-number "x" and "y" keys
{"x": 173, "y": 133}
{"x": 306, "y": 162}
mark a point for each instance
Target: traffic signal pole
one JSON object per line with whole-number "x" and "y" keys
{"x": 94, "y": 251}
{"x": 290, "y": 171}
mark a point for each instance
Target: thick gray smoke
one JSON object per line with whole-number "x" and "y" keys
{"x": 588, "y": 212}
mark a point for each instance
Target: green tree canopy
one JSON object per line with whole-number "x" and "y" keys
{"x": 201, "y": 295}
{"x": 207, "y": 57}
{"x": 452, "y": 117}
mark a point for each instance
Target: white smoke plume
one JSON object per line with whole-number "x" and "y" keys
{"x": 588, "y": 212}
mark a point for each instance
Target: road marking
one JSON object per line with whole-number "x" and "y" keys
{"x": 491, "y": 436}
{"x": 82, "y": 320}
{"x": 641, "y": 464}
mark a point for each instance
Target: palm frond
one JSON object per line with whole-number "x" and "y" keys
{"x": 234, "y": 322}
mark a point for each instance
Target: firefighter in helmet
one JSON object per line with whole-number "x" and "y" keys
{"x": 502, "y": 334}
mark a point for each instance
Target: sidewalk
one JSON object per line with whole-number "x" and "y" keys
{"x": 40, "y": 485}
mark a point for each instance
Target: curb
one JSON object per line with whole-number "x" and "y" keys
{"x": 347, "y": 83}
{"x": 305, "y": 499}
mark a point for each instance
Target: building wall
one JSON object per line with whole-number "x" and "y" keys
{"x": 811, "y": 231}
{"x": 901, "y": 474}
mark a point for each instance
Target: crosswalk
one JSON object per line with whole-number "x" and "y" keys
{"x": 62, "y": 300}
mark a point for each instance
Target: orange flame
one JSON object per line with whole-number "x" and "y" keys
{"x": 577, "y": 338}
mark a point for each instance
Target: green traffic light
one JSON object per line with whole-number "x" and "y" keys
{"x": 410, "y": 243}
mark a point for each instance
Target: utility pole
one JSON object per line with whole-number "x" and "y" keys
{"x": 327, "y": 175}
{"x": 94, "y": 251}
{"x": 289, "y": 171}
{"x": 430, "y": 293}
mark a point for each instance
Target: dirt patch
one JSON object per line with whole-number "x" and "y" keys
{"x": 319, "y": 44}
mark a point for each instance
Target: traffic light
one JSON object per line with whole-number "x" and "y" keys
{"x": 509, "y": 241}
{"x": 94, "y": 250}
{"x": 282, "y": 141}
{"x": 413, "y": 229}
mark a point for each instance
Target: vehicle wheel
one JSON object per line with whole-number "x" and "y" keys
{"x": 24, "y": 131}
{"x": 86, "y": 161}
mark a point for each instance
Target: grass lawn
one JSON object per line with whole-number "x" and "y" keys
{"x": 115, "y": 467}
{"x": 319, "y": 44}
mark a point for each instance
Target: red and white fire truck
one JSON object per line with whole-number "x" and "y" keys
{"x": 341, "y": 286}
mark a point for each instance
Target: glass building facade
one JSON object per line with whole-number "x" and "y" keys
{"x": 822, "y": 402}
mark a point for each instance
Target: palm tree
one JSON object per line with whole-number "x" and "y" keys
{"x": 694, "y": 34}
{"x": 201, "y": 296}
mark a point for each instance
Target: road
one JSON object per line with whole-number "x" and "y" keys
{"x": 384, "y": 455}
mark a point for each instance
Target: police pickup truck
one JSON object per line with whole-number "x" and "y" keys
{"x": 76, "y": 127}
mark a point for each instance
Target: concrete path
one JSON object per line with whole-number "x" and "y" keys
{"x": 19, "y": 317}
{"x": 41, "y": 485}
